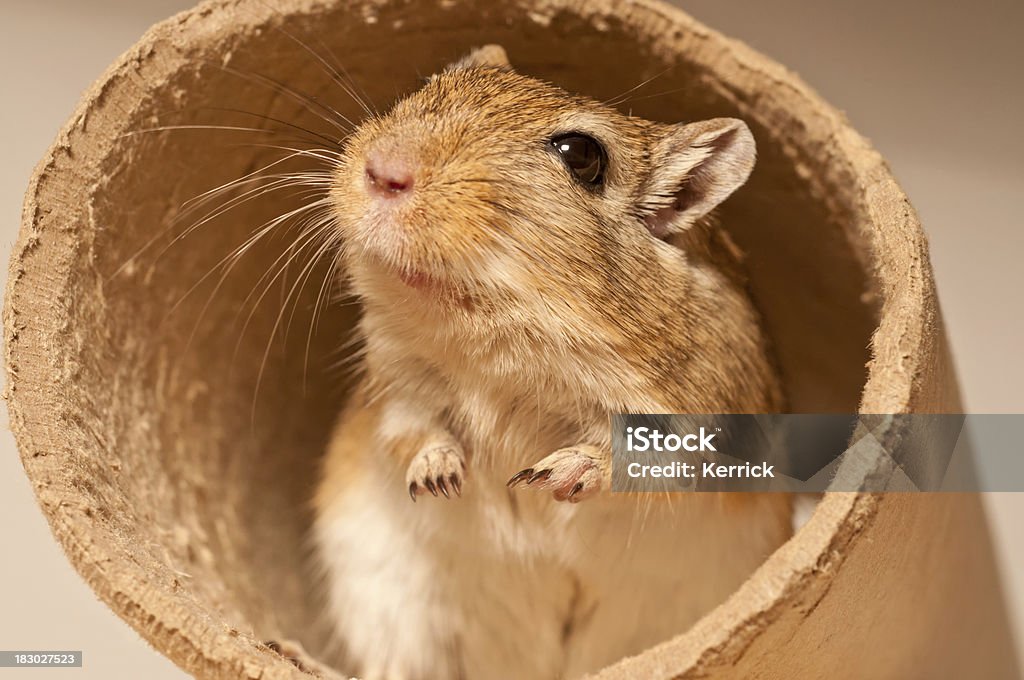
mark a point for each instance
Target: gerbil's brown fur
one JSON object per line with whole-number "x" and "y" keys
{"x": 509, "y": 308}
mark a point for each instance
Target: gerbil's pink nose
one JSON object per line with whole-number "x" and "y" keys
{"x": 388, "y": 177}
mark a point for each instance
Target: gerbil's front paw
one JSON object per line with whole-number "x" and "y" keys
{"x": 572, "y": 474}
{"x": 437, "y": 467}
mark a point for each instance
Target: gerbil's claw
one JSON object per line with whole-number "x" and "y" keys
{"x": 571, "y": 474}
{"x": 438, "y": 467}
{"x": 518, "y": 477}
{"x": 543, "y": 474}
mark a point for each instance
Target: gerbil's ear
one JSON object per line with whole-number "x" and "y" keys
{"x": 694, "y": 168}
{"x": 488, "y": 56}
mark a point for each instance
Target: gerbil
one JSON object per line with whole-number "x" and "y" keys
{"x": 529, "y": 262}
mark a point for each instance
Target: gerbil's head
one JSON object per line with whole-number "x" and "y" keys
{"x": 487, "y": 190}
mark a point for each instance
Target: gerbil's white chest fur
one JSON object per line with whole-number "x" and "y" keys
{"x": 530, "y": 262}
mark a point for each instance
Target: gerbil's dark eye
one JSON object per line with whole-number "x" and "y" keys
{"x": 583, "y": 155}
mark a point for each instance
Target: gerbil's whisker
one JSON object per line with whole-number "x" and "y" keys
{"x": 323, "y": 297}
{"x": 312, "y": 178}
{"x": 326, "y": 245}
{"x": 311, "y": 103}
{"x": 194, "y": 204}
{"x": 331, "y": 156}
{"x": 315, "y": 183}
{"x": 307, "y": 134}
{"x": 264, "y": 183}
{"x": 305, "y": 237}
{"x": 332, "y": 71}
{"x": 229, "y": 261}
{"x": 251, "y": 176}
{"x": 312, "y": 133}
{"x": 223, "y": 128}
{"x": 654, "y": 95}
{"x": 364, "y": 101}
{"x": 232, "y": 203}
{"x": 320, "y": 231}
{"x": 620, "y": 98}
{"x": 295, "y": 290}
{"x": 470, "y": 180}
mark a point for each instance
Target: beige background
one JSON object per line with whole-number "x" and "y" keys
{"x": 935, "y": 86}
